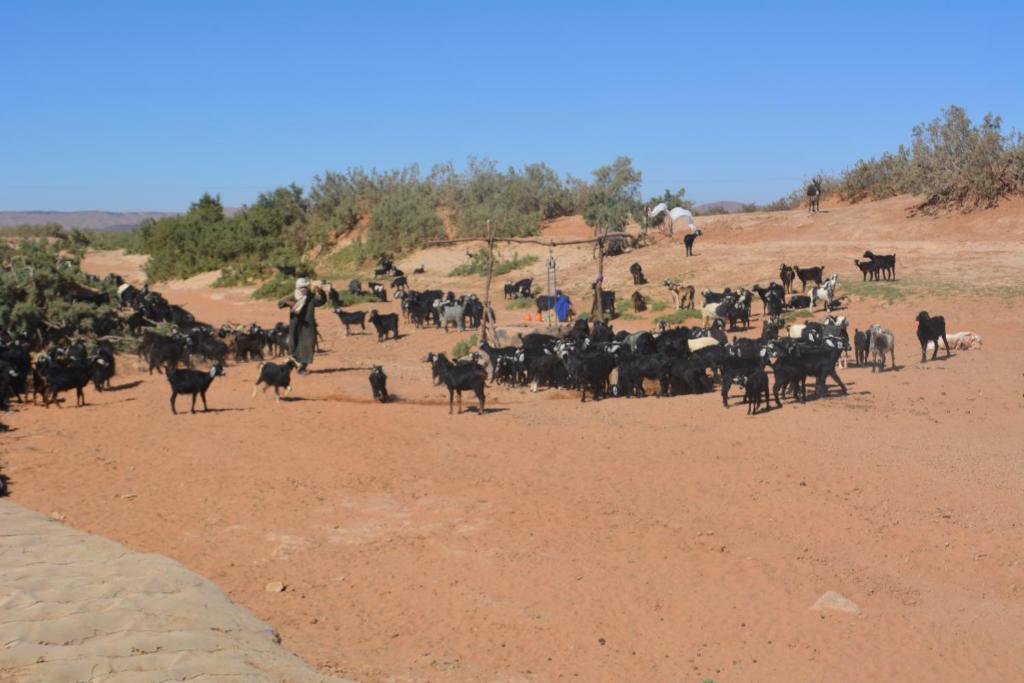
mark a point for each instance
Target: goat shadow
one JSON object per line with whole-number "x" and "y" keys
{"x": 330, "y": 371}
{"x": 126, "y": 385}
{"x": 213, "y": 410}
{"x": 940, "y": 357}
{"x": 87, "y": 404}
{"x": 487, "y": 411}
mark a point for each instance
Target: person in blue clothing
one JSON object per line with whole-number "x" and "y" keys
{"x": 563, "y": 307}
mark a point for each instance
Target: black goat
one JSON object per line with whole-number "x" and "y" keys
{"x": 384, "y": 324}
{"x": 379, "y": 291}
{"x": 639, "y": 302}
{"x": 755, "y": 387}
{"x": 799, "y": 301}
{"x": 687, "y": 376}
{"x": 589, "y": 370}
{"x": 102, "y": 367}
{"x": 400, "y": 283}
{"x": 607, "y": 303}
{"x": 772, "y": 297}
{"x": 524, "y": 287}
{"x": 794, "y": 364}
{"x": 868, "y": 269}
{"x": 931, "y": 329}
{"x": 809, "y": 275}
{"x": 277, "y": 376}
{"x": 193, "y": 382}
{"x": 743, "y": 359}
{"x": 379, "y": 384}
{"x": 886, "y": 263}
{"x": 638, "y": 274}
{"x": 248, "y": 346}
{"x": 787, "y": 275}
{"x": 351, "y": 318}
{"x": 57, "y": 379}
{"x": 635, "y": 368}
{"x": 8, "y": 374}
{"x": 545, "y": 302}
{"x": 861, "y": 345}
{"x": 689, "y": 240}
{"x": 163, "y": 353}
{"x": 458, "y": 378}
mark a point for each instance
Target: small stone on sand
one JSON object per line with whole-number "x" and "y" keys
{"x": 834, "y": 601}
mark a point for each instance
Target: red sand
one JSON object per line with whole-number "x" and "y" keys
{"x": 642, "y": 540}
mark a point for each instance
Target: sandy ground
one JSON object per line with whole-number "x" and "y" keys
{"x": 75, "y": 607}
{"x": 645, "y": 540}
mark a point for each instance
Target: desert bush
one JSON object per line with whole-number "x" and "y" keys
{"x": 464, "y": 346}
{"x": 678, "y": 317}
{"x": 36, "y": 278}
{"x": 657, "y": 305}
{"x": 281, "y": 285}
{"x": 477, "y": 264}
{"x": 952, "y": 162}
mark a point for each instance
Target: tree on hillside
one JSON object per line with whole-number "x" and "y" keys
{"x": 404, "y": 220}
{"x": 613, "y": 196}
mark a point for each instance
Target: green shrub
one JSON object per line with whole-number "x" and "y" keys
{"x": 36, "y": 278}
{"x": 279, "y": 286}
{"x": 657, "y": 305}
{"x": 464, "y": 346}
{"x": 951, "y": 161}
{"x": 347, "y": 298}
{"x": 128, "y": 240}
{"x": 678, "y": 317}
{"x": 344, "y": 264}
{"x": 522, "y": 302}
{"x": 478, "y": 264}
{"x": 889, "y": 291}
{"x": 790, "y": 316}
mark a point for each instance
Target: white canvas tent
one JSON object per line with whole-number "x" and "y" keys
{"x": 678, "y": 213}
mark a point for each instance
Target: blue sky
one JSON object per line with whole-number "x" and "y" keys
{"x": 145, "y": 105}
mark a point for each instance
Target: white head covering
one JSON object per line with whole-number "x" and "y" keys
{"x": 301, "y": 292}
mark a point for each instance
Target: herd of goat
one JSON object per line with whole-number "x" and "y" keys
{"x": 581, "y": 356}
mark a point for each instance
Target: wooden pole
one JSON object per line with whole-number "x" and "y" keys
{"x": 526, "y": 240}
{"x": 596, "y": 311}
{"x": 487, "y": 288}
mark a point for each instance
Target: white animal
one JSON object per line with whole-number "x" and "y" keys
{"x": 825, "y": 292}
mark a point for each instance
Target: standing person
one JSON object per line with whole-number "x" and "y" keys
{"x": 302, "y": 322}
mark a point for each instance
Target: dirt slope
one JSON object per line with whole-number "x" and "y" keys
{"x": 653, "y": 539}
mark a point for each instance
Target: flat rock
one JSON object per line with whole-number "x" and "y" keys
{"x": 836, "y": 602}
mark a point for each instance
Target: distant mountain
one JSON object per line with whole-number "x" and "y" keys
{"x": 85, "y": 220}
{"x": 719, "y": 207}
{"x": 100, "y": 221}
